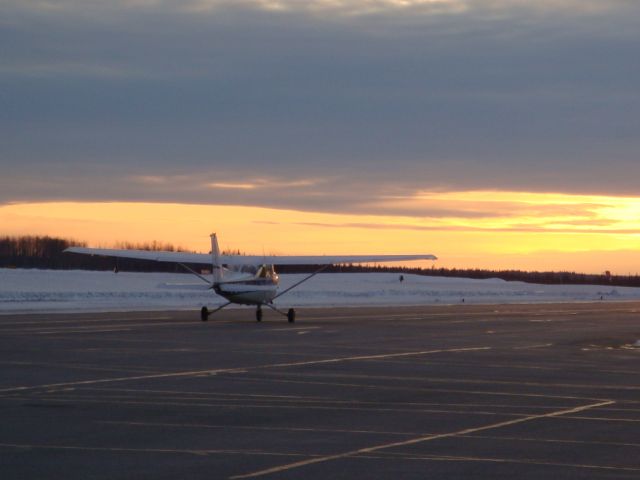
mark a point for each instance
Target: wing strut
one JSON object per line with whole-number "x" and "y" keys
{"x": 324, "y": 267}
{"x": 190, "y": 270}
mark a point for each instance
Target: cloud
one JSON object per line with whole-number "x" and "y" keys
{"x": 263, "y": 183}
{"x": 233, "y": 186}
{"x": 348, "y": 8}
{"x": 470, "y": 228}
{"x": 376, "y": 98}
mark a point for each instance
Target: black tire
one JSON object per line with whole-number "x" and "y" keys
{"x": 291, "y": 315}
{"x": 259, "y": 315}
{"x": 204, "y": 314}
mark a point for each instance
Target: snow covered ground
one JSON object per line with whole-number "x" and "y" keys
{"x": 55, "y": 290}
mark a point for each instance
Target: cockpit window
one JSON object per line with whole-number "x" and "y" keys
{"x": 248, "y": 269}
{"x": 266, "y": 271}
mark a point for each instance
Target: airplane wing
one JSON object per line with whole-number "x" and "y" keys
{"x": 204, "y": 258}
{"x": 340, "y": 259}
{"x": 156, "y": 256}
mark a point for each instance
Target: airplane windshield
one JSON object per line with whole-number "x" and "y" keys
{"x": 259, "y": 271}
{"x": 266, "y": 271}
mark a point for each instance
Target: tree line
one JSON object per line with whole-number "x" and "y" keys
{"x": 47, "y": 253}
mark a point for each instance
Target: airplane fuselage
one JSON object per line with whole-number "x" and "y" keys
{"x": 245, "y": 289}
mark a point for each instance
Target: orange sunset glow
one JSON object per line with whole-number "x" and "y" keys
{"x": 486, "y": 229}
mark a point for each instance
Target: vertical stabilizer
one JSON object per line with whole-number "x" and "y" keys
{"x": 216, "y": 268}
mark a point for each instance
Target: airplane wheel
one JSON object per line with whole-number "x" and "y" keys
{"x": 259, "y": 315}
{"x": 204, "y": 314}
{"x": 291, "y": 315}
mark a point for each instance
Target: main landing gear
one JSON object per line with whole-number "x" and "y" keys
{"x": 290, "y": 314}
{"x": 205, "y": 312}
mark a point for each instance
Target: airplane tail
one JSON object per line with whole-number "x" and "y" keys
{"x": 216, "y": 267}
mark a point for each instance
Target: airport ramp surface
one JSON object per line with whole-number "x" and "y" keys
{"x": 466, "y": 391}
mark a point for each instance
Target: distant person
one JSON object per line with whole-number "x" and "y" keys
{"x": 401, "y": 278}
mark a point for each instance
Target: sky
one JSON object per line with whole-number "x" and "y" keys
{"x": 493, "y": 133}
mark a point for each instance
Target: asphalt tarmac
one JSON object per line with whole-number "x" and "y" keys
{"x": 448, "y": 392}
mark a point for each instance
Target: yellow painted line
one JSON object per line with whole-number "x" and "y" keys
{"x": 293, "y": 329}
{"x": 221, "y": 396}
{"x": 439, "y": 390}
{"x": 499, "y": 382}
{"x": 413, "y": 441}
{"x": 205, "y": 395}
{"x": 105, "y": 330}
{"x": 47, "y": 322}
{"x": 528, "y": 347}
{"x": 241, "y": 369}
{"x": 45, "y": 330}
{"x": 146, "y": 450}
{"x": 91, "y": 328}
{"x": 242, "y": 427}
{"x": 328, "y": 406}
{"x": 552, "y": 440}
{"x": 377, "y": 357}
{"x": 525, "y": 461}
{"x": 605, "y": 419}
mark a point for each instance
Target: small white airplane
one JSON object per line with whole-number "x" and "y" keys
{"x": 243, "y": 279}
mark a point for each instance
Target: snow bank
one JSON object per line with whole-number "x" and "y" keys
{"x": 56, "y": 290}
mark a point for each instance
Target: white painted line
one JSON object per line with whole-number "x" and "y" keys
{"x": 414, "y": 441}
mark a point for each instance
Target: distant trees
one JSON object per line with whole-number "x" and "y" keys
{"x": 548, "y": 278}
{"x": 47, "y": 252}
{"x": 34, "y": 252}
{"x": 150, "y": 246}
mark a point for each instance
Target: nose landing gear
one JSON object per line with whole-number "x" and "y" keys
{"x": 290, "y": 314}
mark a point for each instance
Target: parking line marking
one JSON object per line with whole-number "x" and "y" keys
{"x": 240, "y": 369}
{"x": 413, "y": 441}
